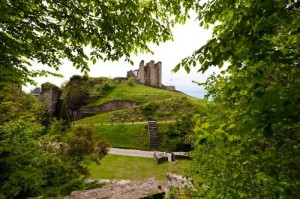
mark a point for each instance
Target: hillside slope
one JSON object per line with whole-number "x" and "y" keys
{"x": 138, "y": 93}
{"x": 127, "y": 127}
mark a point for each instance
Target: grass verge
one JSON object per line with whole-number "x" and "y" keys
{"x": 125, "y": 167}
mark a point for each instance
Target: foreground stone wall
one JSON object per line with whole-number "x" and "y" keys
{"x": 123, "y": 189}
{"x": 135, "y": 189}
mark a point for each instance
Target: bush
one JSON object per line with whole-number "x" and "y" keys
{"x": 47, "y": 86}
{"x": 149, "y": 109}
{"x": 64, "y": 115}
{"x": 131, "y": 81}
{"x": 107, "y": 86}
{"x": 94, "y": 185}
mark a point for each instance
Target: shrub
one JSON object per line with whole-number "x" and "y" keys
{"x": 130, "y": 81}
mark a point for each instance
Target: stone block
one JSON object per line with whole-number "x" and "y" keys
{"x": 160, "y": 157}
{"x": 181, "y": 155}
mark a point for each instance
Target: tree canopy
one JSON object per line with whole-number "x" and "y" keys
{"x": 48, "y": 31}
{"x": 37, "y": 159}
{"x": 248, "y": 139}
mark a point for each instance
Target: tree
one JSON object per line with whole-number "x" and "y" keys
{"x": 149, "y": 109}
{"x": 75, "y": 94}
{"x": 130, "y": 81}
{"x": 21, "y": 158}
{"x": 180, "y": 133}
{"x": 64, "y": 115}
{"x": 49, "y": 31}
{"x": 85, "y": 145}
{"x": 34, "y": 159}
{"x": 249, "y": 136}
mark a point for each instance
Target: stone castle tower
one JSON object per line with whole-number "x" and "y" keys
{"x": 150, "y": 74}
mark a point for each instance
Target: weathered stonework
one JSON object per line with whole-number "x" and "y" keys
{"x": 132, "y": 73}
{"x": 135, "y": 189}
{"x": 169, "y": 88}
{"x": 123, "y": 189}
{"x": 50, "y": 97}
{"x": 88, "y": 111}
{"x": 150, "y": 75}
{"x": 110, "y": 106}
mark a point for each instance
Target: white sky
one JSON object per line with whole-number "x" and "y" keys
{"x": 187, "y": 38}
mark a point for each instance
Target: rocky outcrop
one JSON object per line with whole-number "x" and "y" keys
{"x": 124, "y": 189}
{"x": 134, "y": 189}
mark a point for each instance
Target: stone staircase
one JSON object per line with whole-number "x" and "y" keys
{"x": 153, "y": 135}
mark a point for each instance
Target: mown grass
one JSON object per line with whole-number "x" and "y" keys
{"x": 125, "y": 136}
{"x": 135, "y": 136}
{"x": 125, "y": 167}
{"x": 138, "y": 93}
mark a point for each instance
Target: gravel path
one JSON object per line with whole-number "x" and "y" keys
{"x": 135, "y": 153}
{"x": 131, "y": 152}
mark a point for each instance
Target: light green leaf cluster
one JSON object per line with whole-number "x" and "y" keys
{"x": 248, "y": 137}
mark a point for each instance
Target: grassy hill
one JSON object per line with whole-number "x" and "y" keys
{"x": 138, "y": 93}
{"x": 164, "y": 110}
{"x": 127, "y": 128}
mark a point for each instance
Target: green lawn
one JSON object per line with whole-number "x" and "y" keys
{"x": 125, "y": 167}
{"x": 132, "y": 136}
{"x": 138, "y": 93}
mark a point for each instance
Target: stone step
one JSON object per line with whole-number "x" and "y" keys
{"x": 153, "y": 135}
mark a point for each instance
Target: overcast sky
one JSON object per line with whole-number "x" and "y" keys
{"x": 187, "y": 38}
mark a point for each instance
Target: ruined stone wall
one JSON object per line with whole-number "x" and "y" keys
{"x": 110, "y": 106}
{"x": 131, "y": 74}
{"x": 107, "y": 106}
{"x": 141, "y": 73}
{"x": 169, "y": 88}
{"x": 150, "y": 74}
{"x": 50, "y": 97}
{"x": 158, "y": 75}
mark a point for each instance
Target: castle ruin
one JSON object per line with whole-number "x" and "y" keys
{"x": 149, "y": 74}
